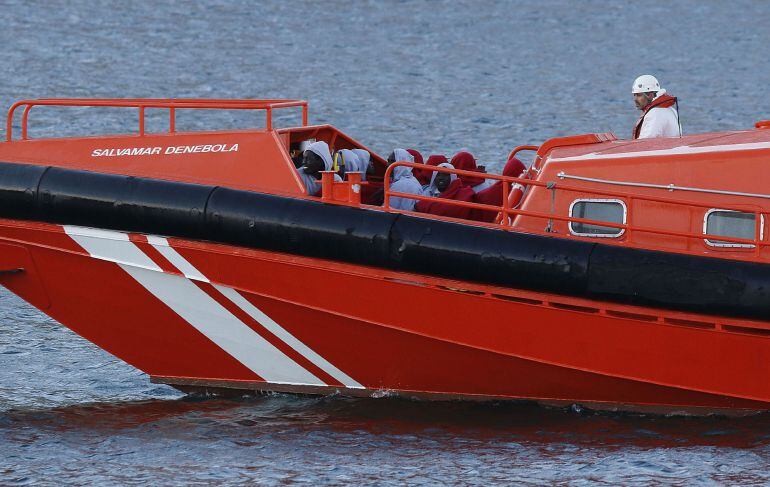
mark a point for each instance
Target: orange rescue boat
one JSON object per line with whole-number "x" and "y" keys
{"x": 619, "y": 274}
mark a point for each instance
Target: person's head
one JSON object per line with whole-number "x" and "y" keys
{"x": 645, "y": 89}
{"x": 365, "y": 161}
{"x": 312, "y": 162}
{"x": 641, "y": 100}
{"x": 436, "y": 159}
{"x": 415, "y": 155}
{"x": 348, "y": 161}
{"x": 399, "y": 155}
{"x": 442, "y": 181}
{"x": 514, "y": 168}
{"x": 464, "y": 160}
{"x": 437, "y": 177}
{"x": 363, "y": 157}
{"x": 400, "y": 172}
{"x": 317, "y": 158}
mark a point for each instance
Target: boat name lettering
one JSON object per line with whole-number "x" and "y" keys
{"x": 153, "y": 151}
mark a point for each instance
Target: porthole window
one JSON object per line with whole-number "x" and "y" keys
{"x": 613, "y": 211}
{"x": 729, "y": 223}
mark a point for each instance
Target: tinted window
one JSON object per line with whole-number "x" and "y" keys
{"x": 607, "y": 211}
{"x": 730, "y": 224}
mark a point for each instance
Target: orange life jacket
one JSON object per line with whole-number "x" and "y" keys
{"x": 663, "y": 101}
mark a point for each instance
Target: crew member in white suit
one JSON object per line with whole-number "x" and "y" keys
{"x": 660, "y": 111}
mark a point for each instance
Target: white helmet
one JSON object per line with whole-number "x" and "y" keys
{"x": 645, "y": 84}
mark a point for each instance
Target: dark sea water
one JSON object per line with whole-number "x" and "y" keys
{"x": 438, "y": 76}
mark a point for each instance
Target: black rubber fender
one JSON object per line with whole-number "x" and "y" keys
{"x": 123, "y": 202}
{"x": 298, "y": 226}
{"x": 682, "y": 282}
{"x": 19, "y": 190}
{"x": 490, "y": 255}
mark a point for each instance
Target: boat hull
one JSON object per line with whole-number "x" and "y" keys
{"x": 204, "y": 316}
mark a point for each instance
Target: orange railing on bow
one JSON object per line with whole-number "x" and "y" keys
{"x": 144, "y": 103}
{"x": 508, "y": 213}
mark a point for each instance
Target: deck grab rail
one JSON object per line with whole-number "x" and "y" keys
{"x": 667, "y": 187}
{"x": 172, "y": 104}
{"x": 506, "y": 222}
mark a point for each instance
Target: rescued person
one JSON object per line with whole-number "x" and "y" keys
{"x": 315, "y": 159}
{"x": 494, "y": 194}
{"x": 447, "y": 186}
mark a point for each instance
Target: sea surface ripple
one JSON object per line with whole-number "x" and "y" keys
{"x": 438, "y": 76}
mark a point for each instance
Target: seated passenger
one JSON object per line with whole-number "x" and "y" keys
{"x": 377, "y": 195}
{"x": 433, "y": 189}
{"x": 416, "y": 156}
{"x": 493, "y": 195}
{"x": 465, "y": 161}
{"x": 364, "y": 162}
{"x": 296, "y": 155}
{"x": 315, "y": 159}
{"x": 348, "y": 160}
{"x": 448, "y": 186}
{"x": 424, "y": 175}
{"x": 404, "y": 182}
{"x": 400, "y": 155}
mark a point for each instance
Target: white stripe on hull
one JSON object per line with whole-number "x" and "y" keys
{"x": 162, "y": 246}
{"x": 196, "y": 307}
{"x": 287, "y": 337}
{"x": 189, "y": 270}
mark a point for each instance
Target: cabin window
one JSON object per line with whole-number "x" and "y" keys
{"x": 613, "y": 211}
{"x": 729, "y": 223}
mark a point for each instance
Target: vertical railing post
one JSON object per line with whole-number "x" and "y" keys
{"x": 269, "y": 118}
{"x": 304, "y": 114}
{"x": 327, "y": 185}
{"x": 506, "y": 204}
{"x": 386, "y": 187}
{"x": 24, "y": 122}
{"x": 141, "y": 120}
{"x": 9, "y": 123}
{"x": 354, "y": 187}
{"x": 171, "y": 120}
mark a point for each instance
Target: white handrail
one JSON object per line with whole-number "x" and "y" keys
{"x": 669, "y": 187}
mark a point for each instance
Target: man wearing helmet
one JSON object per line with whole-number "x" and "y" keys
{"x": 660, "y": 111}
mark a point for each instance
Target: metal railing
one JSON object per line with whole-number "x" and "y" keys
{"x": 668, "y": 187}
{"x": 522, "y": 148}
{"x": 143, "y": 104}
{"x": 506, "y": 211}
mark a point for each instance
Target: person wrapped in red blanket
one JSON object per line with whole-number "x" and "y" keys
{"x": 494, "y": 194}
{"x": 464, "y": 160}
{"x": 424, "y": 175}
{"x": 446, "y": 186}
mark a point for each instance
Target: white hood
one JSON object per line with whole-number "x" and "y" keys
{"x": 364, "y": 158}
{"x": 401, "y": 172}
{"x": 402, "y": 155}
{"x": 404, "y": 182}
{"x": 352, "y": 161}
{"x": 322, "y": 149}
{"x": 431, "y": 189}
